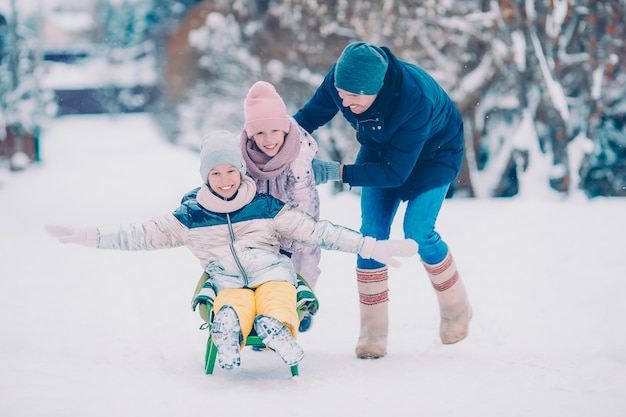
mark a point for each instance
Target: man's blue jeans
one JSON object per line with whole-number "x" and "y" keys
{"x": 378, "y": 209}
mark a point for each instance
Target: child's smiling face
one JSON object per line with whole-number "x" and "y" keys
{"x": 224, "y": 180}
{"x": 269, "y": 142}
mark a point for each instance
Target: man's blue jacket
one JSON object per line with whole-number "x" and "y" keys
{"x": 411, "y": 137}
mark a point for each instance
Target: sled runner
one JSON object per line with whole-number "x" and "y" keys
{"x": 204, "y": 298}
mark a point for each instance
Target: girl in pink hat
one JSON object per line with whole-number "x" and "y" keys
{"x": 278, "y": 154}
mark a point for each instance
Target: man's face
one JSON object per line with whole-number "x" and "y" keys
{"x": 357, "y": 103}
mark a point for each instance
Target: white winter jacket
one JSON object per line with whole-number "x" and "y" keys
{"x": 236, "y": 241}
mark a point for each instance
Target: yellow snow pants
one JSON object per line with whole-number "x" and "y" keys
{"x": 274, "y": 298}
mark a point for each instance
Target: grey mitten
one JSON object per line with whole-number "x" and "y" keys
{"x": 325, "y": 171}
{"x": 385, "y": 251}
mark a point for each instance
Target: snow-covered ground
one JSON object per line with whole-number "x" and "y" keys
{"x": 102, "y": 333}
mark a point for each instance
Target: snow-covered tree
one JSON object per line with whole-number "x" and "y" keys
{"x": 24, "y": 105}
{"x": 552, "y": 69}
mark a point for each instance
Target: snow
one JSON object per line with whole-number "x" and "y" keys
{"x": 532, "y": 180}
{"x": 27, "y": 8}
{"x": 100, "y": 70}
{"x": 73, "y": 21}
{"x": 102, "y": 333}
{"x": 30, "y": 7}
{"x": 556, "y": 18}
{"x": 555, "y": 90}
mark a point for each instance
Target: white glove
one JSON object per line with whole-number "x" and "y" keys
{"x": 384, "y": 251}
{"x": 86, "y": 237}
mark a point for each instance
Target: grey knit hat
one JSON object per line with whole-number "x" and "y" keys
{"x": 220, "y": 147}
{"x": 361, "y": 69}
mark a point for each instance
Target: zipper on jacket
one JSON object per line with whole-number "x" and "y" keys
{"x": 363, "y": 134}
{"x": 359, "y": 123}
{"x": 232, "y": 249}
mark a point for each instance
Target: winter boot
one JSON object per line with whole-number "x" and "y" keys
{"x": 305, "y": 322}
{"x": 277, "y": 337}
{"x": 227, "y": 337}
{"x": 455, "y": 309}
{"x": 374, "y": 306}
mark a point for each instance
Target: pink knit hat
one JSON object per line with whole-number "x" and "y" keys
{"x": 264, "y": 110}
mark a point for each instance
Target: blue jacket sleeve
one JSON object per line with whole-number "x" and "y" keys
{"x": 322, "y": 107}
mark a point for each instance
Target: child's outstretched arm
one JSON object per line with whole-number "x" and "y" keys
{"x": 124, "y": 237}
{"x": 158, "y": 233}
{"x": 384, "y": 250}
{"x": 303, "y": 228}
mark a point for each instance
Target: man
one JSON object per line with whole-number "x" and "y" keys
{"x": 411, "y": 137}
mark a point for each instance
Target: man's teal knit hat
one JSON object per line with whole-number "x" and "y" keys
{"x": 361, "y": 69}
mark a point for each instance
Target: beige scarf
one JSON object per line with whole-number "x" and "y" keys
{"x": 216, "y": 204}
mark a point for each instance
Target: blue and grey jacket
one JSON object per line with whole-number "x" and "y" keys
{"x": 236, "y": 241}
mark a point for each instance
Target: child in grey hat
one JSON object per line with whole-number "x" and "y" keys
{"x": 234, "y": 232}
